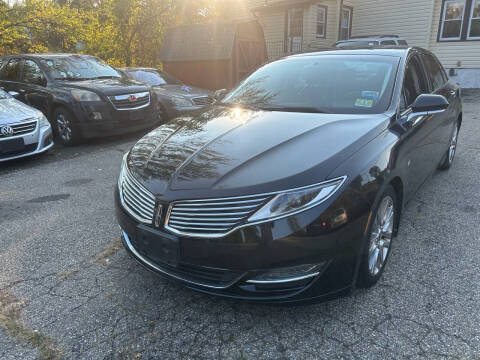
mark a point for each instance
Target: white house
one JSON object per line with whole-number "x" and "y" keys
{"x": 449, "y": 28}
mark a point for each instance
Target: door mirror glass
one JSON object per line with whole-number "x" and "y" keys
{"x": 429, "y": 103}
{"x": 220, "y": 94}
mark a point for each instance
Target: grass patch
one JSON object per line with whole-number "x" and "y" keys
{"x": 10, "y": 320}
{"x": 105, "y": 255}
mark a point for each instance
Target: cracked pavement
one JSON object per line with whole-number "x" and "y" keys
{"x": 68, "y": 290}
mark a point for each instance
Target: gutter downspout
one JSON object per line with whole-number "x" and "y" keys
{"x": 430, "y": 25}
{"x": 340, "y": 8}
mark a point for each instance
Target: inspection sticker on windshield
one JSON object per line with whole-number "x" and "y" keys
{"x": 370, "y": 95}
{"x": 360, "y": 102}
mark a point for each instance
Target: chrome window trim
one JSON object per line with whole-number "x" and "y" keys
{"x": 27, "y": 121}
{"x": 240, "y": 226}
{"x": 126, "y": 96}
{"x": 168, "y": 273}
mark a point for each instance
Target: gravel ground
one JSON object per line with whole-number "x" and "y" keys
{"x": 68, "y": 289}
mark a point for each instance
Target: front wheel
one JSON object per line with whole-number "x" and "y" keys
{"x": 452, "y": 149}
{"x": 65, "y": 127}
{"x": 379, "y": 239}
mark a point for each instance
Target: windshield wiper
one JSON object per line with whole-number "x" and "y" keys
{"x": 69, "y": 78}
{"x": 106, "y": 77}
{"x": 302, "y": 109}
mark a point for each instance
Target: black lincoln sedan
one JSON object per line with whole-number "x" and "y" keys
{"x": 291, "y": 187}
{"x": 81, "y": 95}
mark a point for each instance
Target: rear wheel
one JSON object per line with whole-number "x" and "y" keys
{"x": 65, "y": 127}
{"x": 452, "y": 149}
{"x": 379, "y": 239}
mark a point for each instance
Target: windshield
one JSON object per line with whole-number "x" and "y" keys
{"x": 153, "y": 77}
{"x": 79, "y": 67}
{"x": 330, "y": 83}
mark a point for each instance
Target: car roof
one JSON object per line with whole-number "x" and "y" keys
{"x": 46, "y": 55}
{"x": 138, "y": 68}
{"x": 397, "y": 51}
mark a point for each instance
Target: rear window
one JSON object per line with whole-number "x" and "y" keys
{"x": 402, "y": 42}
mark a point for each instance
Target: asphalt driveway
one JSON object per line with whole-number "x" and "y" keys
{"x": 68, "y": 289}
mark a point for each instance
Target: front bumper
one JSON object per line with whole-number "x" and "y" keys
{"x": 36, "y": 142}
{"x": 224, "y": 266}
{"x": 112, "y": 121}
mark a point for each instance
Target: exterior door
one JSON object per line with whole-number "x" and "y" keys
{"x": 32, "y": 86}
{"x": 251, "y": 56}
{"x": 294, "y": 30}
{"x": 419, "y": 130}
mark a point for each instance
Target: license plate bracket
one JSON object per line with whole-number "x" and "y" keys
{"x": 11, "y": 146}
{"x": 158, "y": 247}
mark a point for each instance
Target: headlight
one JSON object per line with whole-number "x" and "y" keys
{"x": 84, "y": 95}
{"x": 42, "y": 121}
{"x": 123, "y": 169}
{"x": 294, "y": 201}
{"x": 180, "y": 101}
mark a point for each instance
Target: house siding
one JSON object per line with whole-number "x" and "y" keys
{"x": 407, "y": 18}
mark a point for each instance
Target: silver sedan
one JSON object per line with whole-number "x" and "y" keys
{"x": 24, "y": 131}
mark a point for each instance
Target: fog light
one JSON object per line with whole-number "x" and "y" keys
{"x": 96, "y": 115}
{"x": 282, "y": 275}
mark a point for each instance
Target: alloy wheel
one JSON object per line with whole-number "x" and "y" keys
{"x": 381, "y": 236}
{"x": 64, "y": 128}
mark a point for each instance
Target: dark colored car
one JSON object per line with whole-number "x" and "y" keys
{"x": 291, "y": 188}
{"x": 174, "y": 97}
{"x": 81, "y": 95}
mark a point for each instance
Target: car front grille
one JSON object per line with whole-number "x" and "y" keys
{"x": 23, "y": 128}
{"x": 131, "y": 101}
{"x": 203, "y": 100}
{"x": 211, "y": 217}
{"x": 136, "y": 200}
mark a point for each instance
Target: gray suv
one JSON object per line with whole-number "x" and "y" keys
{"x": 371, "y": 40}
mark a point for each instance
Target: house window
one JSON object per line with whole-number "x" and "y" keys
{"x": 321, "y": 21}
{"x": 474, "y": 26}
{"x": 452, "y": 21}
{"x": 460, "y": 20}
{"x": 346, "y": 23}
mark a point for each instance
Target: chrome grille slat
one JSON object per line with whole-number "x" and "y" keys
{"x": 211, "y": 217}
{"x": 123, "y": 102}
{"x": 22, "y": 128}
{"x": 201, "y": 223}
{"x": 136, "y": 199}
{"x": 144, "y": 197}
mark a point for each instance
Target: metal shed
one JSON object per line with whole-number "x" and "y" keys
{"x": 215, "y": 55}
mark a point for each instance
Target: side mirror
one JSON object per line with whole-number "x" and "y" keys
{"x": 220, "y": 94}
{"x": 13, "y": 94}
{"x": 427, "y": 103}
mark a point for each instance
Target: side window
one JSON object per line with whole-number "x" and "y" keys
{"x": 434, "y": 72}
{"x": 415, "y": 83}
{"x": 11, "y": 71}
{"x": 388, "y": 42}
{"x": 32, "y": 73}
{"x": 402, "y": 42}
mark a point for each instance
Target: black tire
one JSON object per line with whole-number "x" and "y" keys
{"x": 376, "y": 240}
{"x": 65, "y": 127}
{"x": 449, "y": 156}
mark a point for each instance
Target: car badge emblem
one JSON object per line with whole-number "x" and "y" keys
{"x": 133, "y": 98}
{"x": 6, "y": 131}
{"x": 158, "y": 215}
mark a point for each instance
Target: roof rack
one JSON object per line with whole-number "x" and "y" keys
{"x": 375, "y": 36}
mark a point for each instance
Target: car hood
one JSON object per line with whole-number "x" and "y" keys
{"x": 232, "y": 151}
{"x": 107, "y": 86}
{"x": 181, "y": 90}
{"x": 13, "y": 111}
